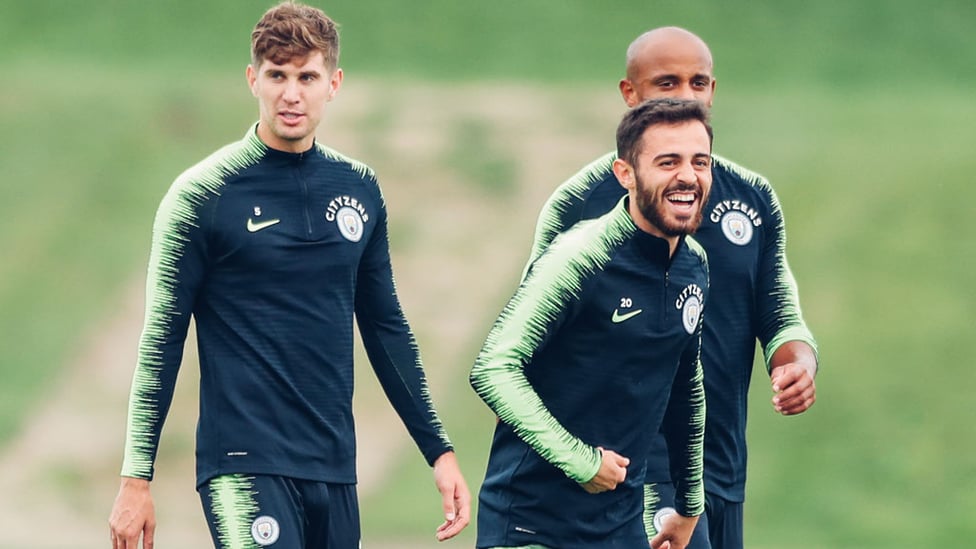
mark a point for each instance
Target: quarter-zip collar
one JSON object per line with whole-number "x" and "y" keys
{"x": 651, "y": 246}
{"x": 275, "y": 154}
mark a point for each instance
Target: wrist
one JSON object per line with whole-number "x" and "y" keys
{"x": 134, "y": 483}
{"x": 446, "y": 457}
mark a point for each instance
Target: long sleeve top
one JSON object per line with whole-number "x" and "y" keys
{"x": 753, "y": 297}
{"x": 273, "y": 254}
{"x": 599, "y": 347}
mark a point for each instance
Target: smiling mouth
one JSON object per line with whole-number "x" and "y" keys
{"x": 684, "y": 199}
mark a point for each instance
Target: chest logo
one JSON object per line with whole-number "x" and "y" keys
{"x": 255, "y": 226}
{"x": 625, "y": 303}
{"x": 617, "y": 318}
{"x": 690, "y": 302}
{"x": 349, "y": 215}
{"x": 738, "y": 220}
{"x": 350, "y": 224}
{"x": 737, "y": 228}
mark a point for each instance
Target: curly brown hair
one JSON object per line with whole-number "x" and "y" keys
{"x": 293, "y": 31}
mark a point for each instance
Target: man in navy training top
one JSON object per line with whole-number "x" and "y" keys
{"x": 273, "y": 244}
{"x": 598, "y": 350}
{"x": 753, "y": 294}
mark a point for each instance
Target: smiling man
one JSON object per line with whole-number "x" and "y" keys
{"x": 598, "y": 351}
{"x": 272, "y": 245}
{"x": 754, "y": 297}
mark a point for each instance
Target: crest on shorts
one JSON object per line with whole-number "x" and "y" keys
{"x": 265, "y": 530}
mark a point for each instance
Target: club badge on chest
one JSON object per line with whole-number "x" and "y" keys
{"x": 349, "y": 215}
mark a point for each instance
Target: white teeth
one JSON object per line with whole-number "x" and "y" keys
{"x": 690, "y": 197}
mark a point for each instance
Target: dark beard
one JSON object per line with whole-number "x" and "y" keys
{"x": 650, "y": 208}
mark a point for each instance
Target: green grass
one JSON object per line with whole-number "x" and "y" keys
{"x": 873, "y": 44}
{"x": 83, "y": 172}
{"x": 876, "y": 193}
{"x": 860, "y": 113}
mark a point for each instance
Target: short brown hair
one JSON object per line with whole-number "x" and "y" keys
{"x": 293, "y": 31}
{"x": 656, "y": 111}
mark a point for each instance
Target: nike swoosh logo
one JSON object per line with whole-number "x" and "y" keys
{"x": 618, "y": 318}
{"x": 253, "y": 227}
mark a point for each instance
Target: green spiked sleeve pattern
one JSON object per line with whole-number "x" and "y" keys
{"x": 391, "y": 346}
{"x": 684, "y": 425}
{"x": 535, "y": 311}
{"x": 777, "y": 295}
{"x": 176, "y": 264}
{"x": 686, "y": 442}
{"x": 560, "y": 211}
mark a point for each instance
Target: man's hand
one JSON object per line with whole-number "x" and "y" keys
{"x": 455, "y": 497}
{"x": 675, "y": 532}
{"x": 133, "y": 515}
{"x": 794, "y": 387}
{"x": 613, "y": 471}
{"x": 793, "y": 368}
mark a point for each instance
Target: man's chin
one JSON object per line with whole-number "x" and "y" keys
{"x": 682, "y": 227}
{"x": 293, "y": 135}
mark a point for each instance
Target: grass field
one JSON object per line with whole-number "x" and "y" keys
{"x": 860, "y": 113}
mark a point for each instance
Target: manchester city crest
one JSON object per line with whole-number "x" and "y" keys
{"x": 737, "y": 227}
{"x": 349, "y": 215}
{"x": 689, "y": 302}
{"x": 350, "y": 224}
{"x": 690, "y": 313}
{"x": 265, "y": 530}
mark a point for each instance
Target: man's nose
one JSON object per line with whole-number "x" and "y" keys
{"x": 292, "y": 91}
{"x": 686, "y": 92}
{"x": 687, "y": 173}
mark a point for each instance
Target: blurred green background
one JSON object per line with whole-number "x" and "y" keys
{"x": 861, "y": 113}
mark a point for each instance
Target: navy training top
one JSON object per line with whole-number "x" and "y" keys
{"x": 599, "y": 347}
{"x": 272, "y": 253}
{"x": 753, "y": 295}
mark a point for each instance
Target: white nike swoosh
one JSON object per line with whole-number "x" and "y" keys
{"x": 617, "y": 317}
{"x": 253, "y": 227}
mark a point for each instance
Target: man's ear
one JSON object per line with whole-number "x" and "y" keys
{"x": 628, "y": 92}
{"x": 252, "y": 76}
{"x": 335, "y": 82}
{"x": 624, "y": 173}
